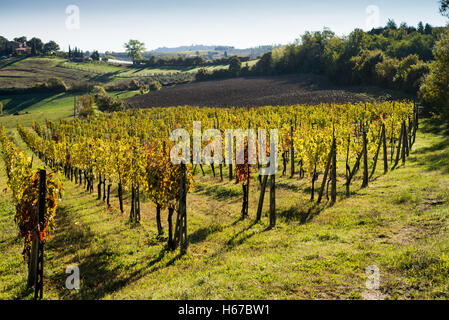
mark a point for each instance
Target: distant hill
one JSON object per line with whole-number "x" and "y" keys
{"x": 207, "y": 52}
{"x": 210, "y": 52}
{"x": 198, "y": 47}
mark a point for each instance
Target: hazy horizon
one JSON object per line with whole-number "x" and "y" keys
{"x": 107, "y": 25}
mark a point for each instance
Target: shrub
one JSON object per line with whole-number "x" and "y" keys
{"x": 1, "y": 108}
{"x": 202, "y": 74}
{"x": 82, "y": 86}
{"x": 415, "y": 76}
{"x": 51, "y": 85}
{"x": 434, "y": 88}
{"x": 98, "y": 90}
{"x": 106, "y": 103}
{"x": 56, "y": 85}
{"x": 386, "y": 71}
{"x": 84, "y": 105}
{"x": 235, "y": 65}
{"x": 118, "y": 86}
{"x": 134, "y": 85}
{"x": 404, "y": 67}
{"x": 154, "y": 86}
{"x": 365, "y": 65}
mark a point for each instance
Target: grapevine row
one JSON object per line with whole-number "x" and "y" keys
{"x": 131, "y": 149}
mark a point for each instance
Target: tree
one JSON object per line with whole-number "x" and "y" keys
{"x": 95, "y": 56}
{"x": 391, "y": 24}
{"x": 37, "y": 46}
{"x": 84, "y": 105}
{"x": 134, "y": 49}
{"x": 2, "y": 41}
{"x": 21, "y": 39}
{"x": 434, "y": 88}
{"x": 154, "y": 86}
{"x": 106, "y": 103}
{"x": 444, "y": 7}
{"x": 51, "y": 47}
{"x": 365, "y": 65}
{"x": 1, "y": 108}
{"x": 235, "y": 65}
{"x": 421, "y": 27}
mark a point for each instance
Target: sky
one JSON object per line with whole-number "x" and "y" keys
{"x": 105, "y": 25}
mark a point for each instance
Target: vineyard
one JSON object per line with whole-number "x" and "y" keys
{"x": 326, "y": 152}
{"x": 132, "y": 149}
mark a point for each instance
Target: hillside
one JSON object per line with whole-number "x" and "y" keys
{"x": 27, "y": 72}
{"x": 261, "y": 91}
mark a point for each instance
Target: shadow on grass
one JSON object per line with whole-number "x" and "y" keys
{"x": 202, "y": 233}
{"x": 302, "y": 214}
{"x": 100, "y": 270}
{"x": 22, "y": 102}
{"x": 436, "y": 156}
{"x": 12, "y": 61}
{"x": 106, "y": 77}
{"x": 435, "y": 125}
{"x": 220, "y": 192}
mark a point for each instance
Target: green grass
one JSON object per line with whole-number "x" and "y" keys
{"x": 37, "y": 107}
{"x": 130, "y": 72}
{"x": 40, "y": 106}
{"x": 27, "y": 72}
{"x": 399, "y": 223}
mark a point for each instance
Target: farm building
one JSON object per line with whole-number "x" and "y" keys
{"x": 17, "y": 47}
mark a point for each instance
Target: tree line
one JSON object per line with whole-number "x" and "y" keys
{"x": 406, "y": 58}
{"x": 38, "y": 47}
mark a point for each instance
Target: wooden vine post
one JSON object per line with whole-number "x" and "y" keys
{"x": 330, "y": 161}
{"x": 292, "y": 153}
{"x": 398, "y": 151}
{"x": 376, "y": 156}
{"x": 365, "y": 157}
{"x": 261, "y": 197}
{"x": 171, "y": 242}
{"x": 36, "y": 263}
{"x": 404, "y": 142}
{"x": 273, "y": 200}
{"x": 182, "y": 211}
{"x": 334, "y": 173}
{"x": 385, "y": 152}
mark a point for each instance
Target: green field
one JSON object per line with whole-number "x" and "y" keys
{"x": 130, "y": 72}
{"x": 399, "y": 224}
{"x": 26, "y": 72}
{"x": 39, "y": 107}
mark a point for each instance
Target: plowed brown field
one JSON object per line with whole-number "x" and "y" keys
{"x": 258, "y": 91}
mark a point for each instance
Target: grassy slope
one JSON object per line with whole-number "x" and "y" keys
{"x": 128, "y": 72}
{"x": 26, "y": 72}
{"x": 399, "y": 224}
{"x": 41, "y": 106}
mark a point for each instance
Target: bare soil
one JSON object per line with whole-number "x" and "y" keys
{"x": 260, "y": 91}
